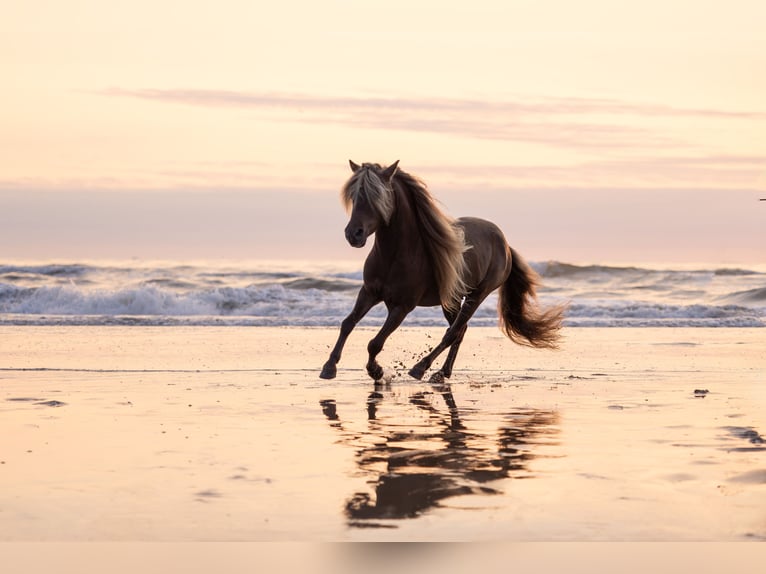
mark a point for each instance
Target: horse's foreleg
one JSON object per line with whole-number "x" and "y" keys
{"x": 452, "y": 338}
{"x": 364, "y": 302}
{"x": 395, "y": 317}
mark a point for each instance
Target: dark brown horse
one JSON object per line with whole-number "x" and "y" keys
{"x": 422, "y": 257}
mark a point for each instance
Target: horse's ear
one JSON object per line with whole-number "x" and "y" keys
{"x": 354, "y": 167}
{"x": 389, "y": 173}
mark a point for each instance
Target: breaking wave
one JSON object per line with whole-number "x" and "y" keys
{"x": 323, "y": 294}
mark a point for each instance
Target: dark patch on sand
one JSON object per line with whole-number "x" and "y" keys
{"x": 591, "y": 476}
{"x": 748, "y": 433}
{"x": 37, "y": 401}
{"x": 680, "y": 477}
{"x": 246, "y": 478}
{"x": 51, "y": 403}
{"x": 205, "y": 495}
{"x": 752, "y": 477}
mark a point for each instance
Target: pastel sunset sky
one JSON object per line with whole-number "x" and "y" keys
{"x": 590, "y": 131}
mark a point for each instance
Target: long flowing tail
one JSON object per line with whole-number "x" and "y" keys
{"x": 521, "y": 318}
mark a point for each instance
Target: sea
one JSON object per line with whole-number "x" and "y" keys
{"x": 320, "y": 294}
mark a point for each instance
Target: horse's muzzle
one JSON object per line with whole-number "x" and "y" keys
{"x": 356, "y": 237}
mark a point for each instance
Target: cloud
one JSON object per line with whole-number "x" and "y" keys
{"x": 578, "y": 123}
{"x": 540, "y": 106}
{"x": 718, "y": 172}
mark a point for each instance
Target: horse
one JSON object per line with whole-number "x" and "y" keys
{"x": 423, "y": 257}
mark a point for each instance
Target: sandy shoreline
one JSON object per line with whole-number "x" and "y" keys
{"x": 227, "y": 434}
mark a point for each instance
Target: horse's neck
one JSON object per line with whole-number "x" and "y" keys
{"x": 402, "y": 232}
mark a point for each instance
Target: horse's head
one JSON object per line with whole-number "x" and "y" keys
{"x": 369, "y": 196}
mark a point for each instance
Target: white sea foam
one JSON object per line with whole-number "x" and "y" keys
{"x": 323, "y": 294}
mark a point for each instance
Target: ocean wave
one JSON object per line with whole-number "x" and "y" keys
{"x": 739, "y": 322}
{"x": 558, "y": 269}
{"x": 48, "y": 270}
{"x": 325, "y": 284}
{"x": 662, "y": 314}
{"x": 150, "y": 300}
{"x": 735, "y": 272}
{"x": 322, "y": 295}
{"x": 277, "y": 304}
{"x": 752, "y": 296}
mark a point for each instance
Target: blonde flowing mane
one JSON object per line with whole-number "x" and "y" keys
{"x": 443, "y": 238}
{"x": 366, "y": 182}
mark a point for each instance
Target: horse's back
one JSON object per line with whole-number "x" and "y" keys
{"x": 482, "y": 231}
{"x": 488, "y": 258}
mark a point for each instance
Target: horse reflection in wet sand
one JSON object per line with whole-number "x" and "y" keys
{"x": 422, "y": 257}
{"x": 412, "y": 469}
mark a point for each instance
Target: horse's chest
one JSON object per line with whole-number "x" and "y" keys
{"x": 403, "y": 285}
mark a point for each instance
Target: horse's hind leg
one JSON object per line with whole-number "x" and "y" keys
{"x": 454, "y": 335}
{"x": 446, "y": 371}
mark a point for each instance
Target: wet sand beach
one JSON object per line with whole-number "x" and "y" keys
{"x": 180, "y": 434}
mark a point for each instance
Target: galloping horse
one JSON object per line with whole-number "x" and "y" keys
{"x": 422, "y": 257}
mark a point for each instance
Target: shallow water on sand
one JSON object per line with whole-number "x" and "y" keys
{"x": 177, "y": 434}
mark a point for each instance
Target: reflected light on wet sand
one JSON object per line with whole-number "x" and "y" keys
{"x": 227, "y": 434}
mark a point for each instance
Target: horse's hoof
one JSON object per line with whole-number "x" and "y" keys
{"x": 417, "y": 372}
{"x": 437, "y": 378}
{"x": 375, "y": 372}
{"x": 328, "y": 371}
